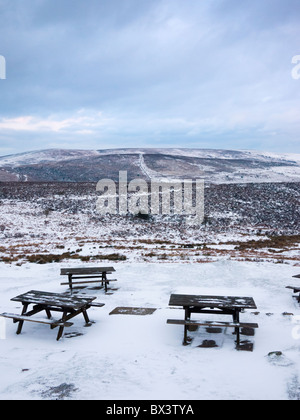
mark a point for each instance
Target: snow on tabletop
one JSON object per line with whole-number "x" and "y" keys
{"x": 121, "y": 357}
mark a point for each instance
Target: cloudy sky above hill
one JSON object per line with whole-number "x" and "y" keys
{"x": 142, "y": 73}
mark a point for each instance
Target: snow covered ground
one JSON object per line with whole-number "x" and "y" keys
{"x": 142, "y": 357}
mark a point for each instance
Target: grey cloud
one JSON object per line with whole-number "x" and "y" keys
{"x": 221, "y": 67}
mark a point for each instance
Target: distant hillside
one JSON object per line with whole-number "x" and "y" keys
{"x": 215, "y": 166}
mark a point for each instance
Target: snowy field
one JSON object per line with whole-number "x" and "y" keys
{"x": 141, "y": 357}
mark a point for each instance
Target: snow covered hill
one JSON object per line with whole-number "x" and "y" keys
{"x": 43, "y": 156}
{"x": 216, "y": 166}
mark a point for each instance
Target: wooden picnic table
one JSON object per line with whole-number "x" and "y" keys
{"x": 80, "y": 273}
{"x": 217, "y": 305}
{"x": 296, "y": 289}
{"x": 69, "y": 305}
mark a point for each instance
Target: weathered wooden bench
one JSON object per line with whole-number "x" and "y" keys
{"x": 236, "y": 325}
{"x": 99, "y": 273}
{"x": 51, "y": 322}
{"x": 97, "y": 304}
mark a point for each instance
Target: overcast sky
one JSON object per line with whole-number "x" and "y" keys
{"x": 94, "y": 74}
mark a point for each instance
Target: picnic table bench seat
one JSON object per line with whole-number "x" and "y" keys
{"x": 53, "y": 323}
{"x": 85, "y": 282}
{"x": 235, "y": 325}
{"x": 97, "y": 304}
{"x": 212, "y": 323}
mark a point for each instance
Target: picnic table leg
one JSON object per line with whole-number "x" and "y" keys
{"x": 185, "y": 336}
{"x": 187, "y": 315}
{"x": 86, "y": 317}
{"x": 70, "y": 281}
{"x": 237, "y": 336}
{"x": 236, "y": 318}
{"x": 61, "y": 329}
{"x": 19, "y": 329}
{"x": 60, "y": 333}
{"x": 48, "y": 313}
{"x": 104, "y": 278}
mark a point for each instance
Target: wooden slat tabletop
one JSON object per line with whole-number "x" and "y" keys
{"x": 54, "y": 299}
{"x": 203, "y": 301}
{"x": 86, "y": 270}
